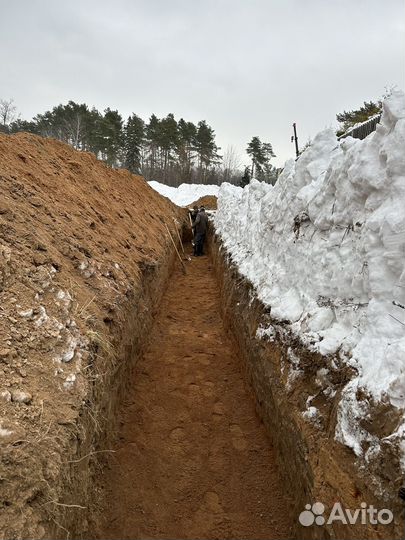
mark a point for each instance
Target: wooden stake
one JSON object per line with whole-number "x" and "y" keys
{"x": 191, "y": 223}
{"x": 179, "y": 237}
{"x": 177, "y": 251}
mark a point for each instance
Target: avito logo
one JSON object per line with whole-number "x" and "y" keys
{"x": 366, "y": 514}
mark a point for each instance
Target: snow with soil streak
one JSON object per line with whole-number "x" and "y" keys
{"x": 186, "y": 193}
{"x": 325, "y": 248}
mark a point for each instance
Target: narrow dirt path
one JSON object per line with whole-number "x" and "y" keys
{"x": 193, "y": 459}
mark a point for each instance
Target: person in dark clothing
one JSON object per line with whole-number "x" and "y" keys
{"x": 193, "y": 216}
{"x": 193, "y": 213}
{"x": 200, "y": 226}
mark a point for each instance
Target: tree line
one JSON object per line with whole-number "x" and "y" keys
{"x": 161, "y": 149}
{"x": 164, "y": 149}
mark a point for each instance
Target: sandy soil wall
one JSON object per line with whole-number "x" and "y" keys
{"x": 84, "y": 258}
{"x": 314, "y": 467}
{"x": 99, "y": 427}
{"x": 86, "y": 438}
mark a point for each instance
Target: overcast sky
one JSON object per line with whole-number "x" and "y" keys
{"x": 248, "y": 67}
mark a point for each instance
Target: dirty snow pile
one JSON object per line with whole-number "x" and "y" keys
{"x": 186, "y": 193}
{"x": 325, "y": 248}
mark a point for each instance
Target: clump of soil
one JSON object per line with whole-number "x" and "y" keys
{"x": 75, "y": 240}
{"x": 208, "y": 201}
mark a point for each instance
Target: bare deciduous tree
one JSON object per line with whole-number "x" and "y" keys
{"x": 231, "y": 163}
{"x": 7, "y": 112}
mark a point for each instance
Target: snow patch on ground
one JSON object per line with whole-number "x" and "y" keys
{"x": 311, "y": 414}
{"x": 325, "y": 249}
{"x": 268, "y": 333}
{"x": 184, "y": 194}
{"x": 5, "y": 432}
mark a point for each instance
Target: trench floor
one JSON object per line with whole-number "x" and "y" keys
{"x": 192, "y": 459}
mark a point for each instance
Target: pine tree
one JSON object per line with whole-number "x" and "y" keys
{"x": 133, "y": 139}
{"x": 168, "y": 141}
{"x": 267, "y": 172}
{"x": 111, "y": 133}
{"x": 207, "y": 150}
{"x": 255, "y": 151}
{"x": 187, "y": 133}
{"x": 245, "y": 180}
{"x": 152, "y": 138}
{"x": 94, "y": 141}
{"x": 260, "y": 154}
{"x": 23, "y": 125}
{"x": 348, "y": 119}
{"x": 267, "y": 150}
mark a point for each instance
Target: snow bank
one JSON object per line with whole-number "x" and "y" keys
{"x": 185, "y": 193}
{"x": 325, "y": 248}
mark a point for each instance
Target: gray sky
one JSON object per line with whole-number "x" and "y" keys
{"x": 248, "y": 67}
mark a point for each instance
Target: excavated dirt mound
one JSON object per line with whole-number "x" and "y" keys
{"x": 208, "y": 201}
{"x": 76, "y": 241}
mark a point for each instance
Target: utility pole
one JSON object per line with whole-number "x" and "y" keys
{"x": 294, "y": 138}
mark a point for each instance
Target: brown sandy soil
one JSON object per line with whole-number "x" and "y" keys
{"x": 208, "y": 201}
{"x": 75, "y": 240}
{"x": 192, "y": 459}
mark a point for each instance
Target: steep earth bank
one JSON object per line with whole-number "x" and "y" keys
{"x": 314, "y": 466}
{"x": 84, "y": 258}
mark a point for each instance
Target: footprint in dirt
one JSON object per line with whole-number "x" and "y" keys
{"x": 213, "y": 502}
{"x": 208, "y": 389}
{"x": 177, "y": 434}
{"x": 218, "y": 410}
{"x": 238, "y": 438}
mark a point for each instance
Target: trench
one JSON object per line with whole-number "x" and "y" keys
{"x": 192, "y": 459}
